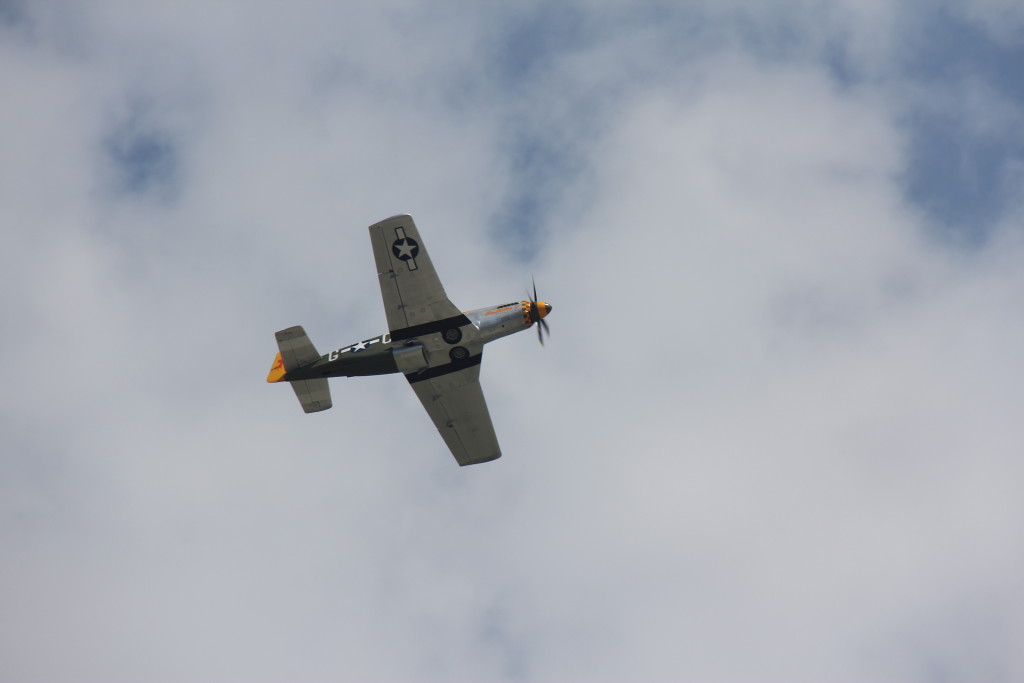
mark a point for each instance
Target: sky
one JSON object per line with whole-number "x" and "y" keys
{"x": 775, "y": 434}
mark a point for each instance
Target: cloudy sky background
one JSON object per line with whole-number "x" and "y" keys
{"x": 775, "y": 435}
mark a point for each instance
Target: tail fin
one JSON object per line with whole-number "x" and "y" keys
{"x": 296, "y": 351}
{"x": 276, "y": 370}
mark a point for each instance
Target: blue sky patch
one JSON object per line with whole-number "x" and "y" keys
{"x": 12, "y": 12}
{"x": 144, "y": 157}
{"x": 958, "y": 171}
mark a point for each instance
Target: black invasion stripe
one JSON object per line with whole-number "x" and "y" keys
{"x": 429, "y": 328}
{"x": 441, "y": 370}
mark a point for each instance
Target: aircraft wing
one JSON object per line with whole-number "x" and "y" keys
{"x": 414, "y": 300}
{"x": 455, "y": 402}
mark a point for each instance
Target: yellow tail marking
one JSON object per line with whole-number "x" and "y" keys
{"x": 276, "y": 370}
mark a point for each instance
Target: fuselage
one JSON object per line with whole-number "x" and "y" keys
{"x": 414, "y": 351}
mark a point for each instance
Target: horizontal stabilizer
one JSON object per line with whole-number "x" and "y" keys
{"x": 313, "y": 394}
{"x": 296, "y": 350}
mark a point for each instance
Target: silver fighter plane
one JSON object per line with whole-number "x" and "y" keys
{"x": 435, "y": 345}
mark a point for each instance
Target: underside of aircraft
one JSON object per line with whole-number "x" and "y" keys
{"x": 436, "y": 346}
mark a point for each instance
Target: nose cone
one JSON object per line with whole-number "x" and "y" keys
{"x": 544, "y": 307}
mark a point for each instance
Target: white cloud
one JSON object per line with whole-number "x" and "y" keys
{"x": 790, "y": 378}
{"x": 773, "y": 435}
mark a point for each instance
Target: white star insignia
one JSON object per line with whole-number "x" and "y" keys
{"x": 404, "y": 249}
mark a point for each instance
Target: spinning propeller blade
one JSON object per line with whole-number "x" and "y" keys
{"x": 539, "y": 309}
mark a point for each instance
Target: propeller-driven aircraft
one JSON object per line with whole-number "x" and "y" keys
{"x": 435, "y": 345}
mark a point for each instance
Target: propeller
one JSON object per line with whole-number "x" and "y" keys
{"x": 539, "y": 309}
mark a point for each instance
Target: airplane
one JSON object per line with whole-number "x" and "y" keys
{"x": 434, "y": 344}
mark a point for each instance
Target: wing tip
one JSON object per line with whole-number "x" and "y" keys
{"x": 480, "y": 460}
{"x": 398, "y": 217}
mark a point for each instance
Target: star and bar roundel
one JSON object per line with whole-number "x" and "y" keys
{"x": 405, "y": 248}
